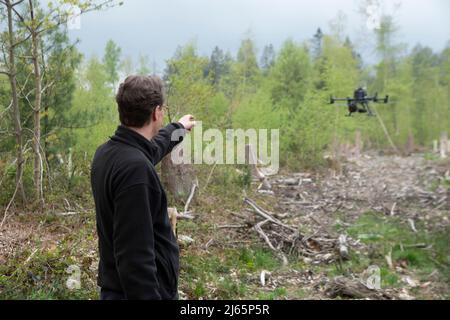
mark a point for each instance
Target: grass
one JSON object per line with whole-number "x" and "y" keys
{"x": 39, "y": 268}
{"x": 230, "y": 274}
{"x": 224, "y": 273}
{"x": 38, "y": 271}
{"x": 221, "y": 272}
{"x": 278, "y": 293}
{"x": 44, "y": 277}
{"x": 390, "y": 235}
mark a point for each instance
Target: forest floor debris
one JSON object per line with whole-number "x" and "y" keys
{"x": 351, "y": 220}
{"x": 313, "y": 236}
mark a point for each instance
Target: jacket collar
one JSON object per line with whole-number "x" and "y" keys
{"x": 134, "y": 139}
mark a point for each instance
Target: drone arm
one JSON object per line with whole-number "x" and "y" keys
{"x": 384, "y": 100}
{"x": 343, "y": 99}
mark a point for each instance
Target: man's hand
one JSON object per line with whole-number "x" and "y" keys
{"x": 188, "y": 122}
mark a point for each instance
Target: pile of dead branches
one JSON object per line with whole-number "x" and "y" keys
{"x": 286, "y": 240}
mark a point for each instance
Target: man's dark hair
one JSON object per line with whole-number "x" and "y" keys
{"x": 137, "y": 98}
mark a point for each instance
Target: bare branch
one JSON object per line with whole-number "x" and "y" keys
{"x": 259, "y": 230}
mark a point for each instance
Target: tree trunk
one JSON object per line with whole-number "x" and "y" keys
{"x": 411, "y": 145}
{"x": 15, "y": 110}
{"x": 36, "y": 109}
{"x": 177, "y": 178}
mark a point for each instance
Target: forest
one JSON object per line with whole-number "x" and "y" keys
{"x": 351, "y": 192}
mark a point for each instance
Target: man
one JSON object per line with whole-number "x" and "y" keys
{"x": 139, "y": 255}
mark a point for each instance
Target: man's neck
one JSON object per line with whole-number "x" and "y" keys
{"x": 148, "y": 132}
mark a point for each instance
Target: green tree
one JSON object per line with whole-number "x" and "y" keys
{"x": 93, "y": 116}
{"x": 290, "y": 76}
{"x": 218, "y": 66}
{"x": 111, "y": 61}
{"x": 127, "y": 66}
{"x": 246, "y": 71}
{"x": 430, "y": 96}
{"x": 267, "y": 58}
{"x": 188, "y": 89}
{"x": 143, "y": 67}
{"x": 61, "y": 60}
{"x": 317, "y": 44}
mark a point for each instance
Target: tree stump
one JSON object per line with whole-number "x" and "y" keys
{"x": 177, "y": 178}
{"x": 251, "y": 159}
{"x": 444, "y": 145}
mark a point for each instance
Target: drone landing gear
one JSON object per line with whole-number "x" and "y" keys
{"x": 370, "y": 113}
{"x": 367, "y": 110}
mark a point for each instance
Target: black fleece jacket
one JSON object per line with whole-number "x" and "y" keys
{"x": 139, "y": 254}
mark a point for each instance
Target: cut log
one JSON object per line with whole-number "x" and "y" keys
{"x": 352, "y": 288}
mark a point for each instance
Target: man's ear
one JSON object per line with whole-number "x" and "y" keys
{"x": 154, "y": 115}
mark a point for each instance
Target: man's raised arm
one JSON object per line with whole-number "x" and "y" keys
{"x": 169, "y": 136}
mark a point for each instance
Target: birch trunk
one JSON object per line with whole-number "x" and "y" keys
{"x": 36, "y": 109}
{"x": 15, "y": 110}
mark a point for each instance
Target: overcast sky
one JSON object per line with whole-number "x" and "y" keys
{"x": 156, "y": 28}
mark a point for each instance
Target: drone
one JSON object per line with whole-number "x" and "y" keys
{"x": 360, "y": 102}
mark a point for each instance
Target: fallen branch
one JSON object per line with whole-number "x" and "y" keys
{"x": 5, "y": 215}
{"x": 230, "y": 226}
{"x": 65, "y": 214}
{"x": 185, "y": 216}
{"x": 25, "y": 262}
{"x": 417, "y": 245}
{"x": 209, "y": 176}
{"x": 412, "y": 225}
{"x": 191, "y": 196}
{"x": 258, "y": 228}
{"x": 266, "y": 215}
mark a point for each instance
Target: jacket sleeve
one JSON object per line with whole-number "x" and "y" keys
{"x": 133, "y": 242}
{"x": 166, "y": 139}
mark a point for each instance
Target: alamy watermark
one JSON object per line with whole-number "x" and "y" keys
{"x": 73, "y": 282}
{"x": 373, "y": 277}
{"x": 232, "y": 146}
